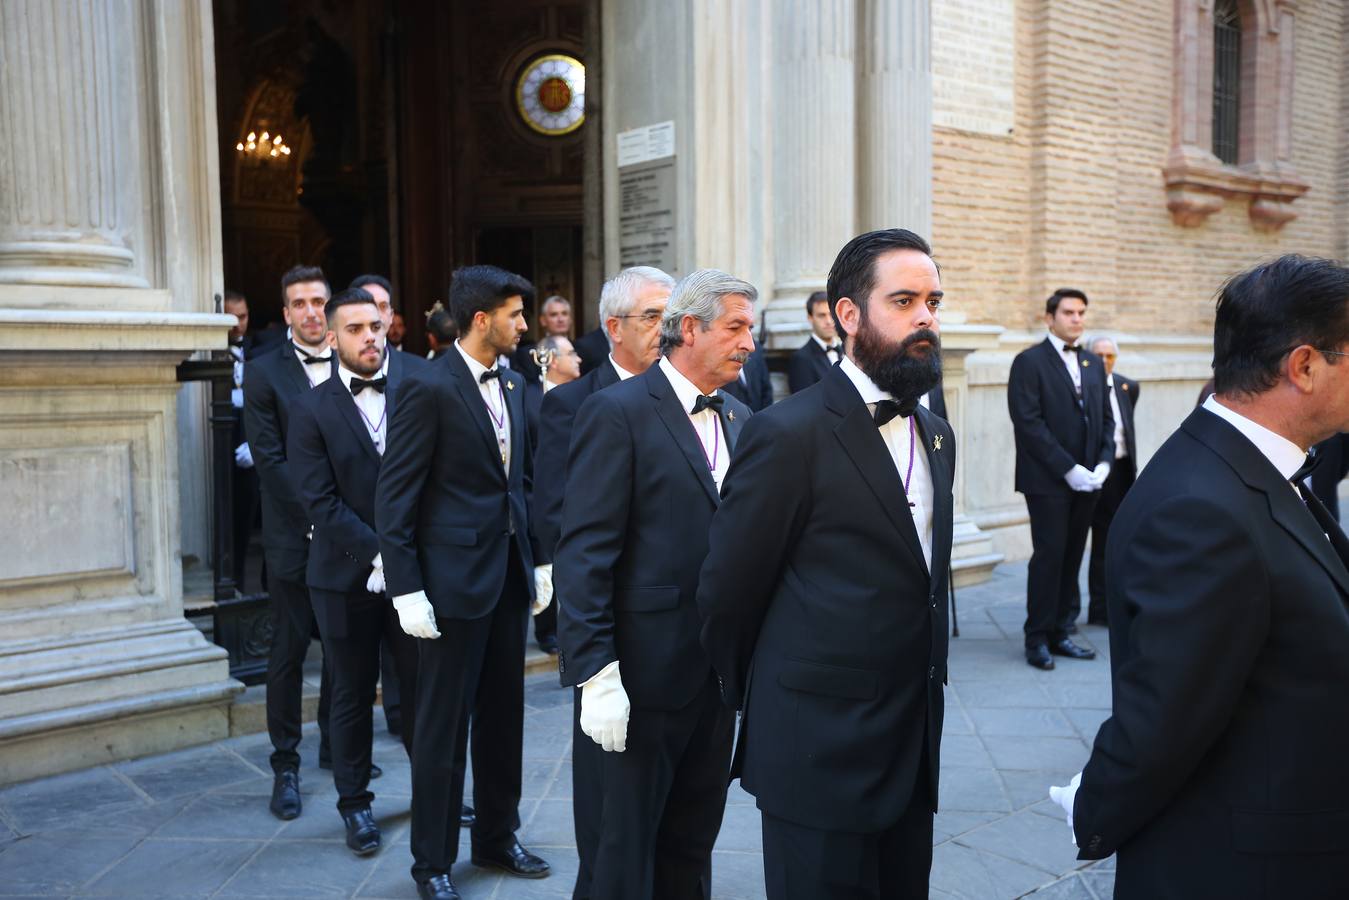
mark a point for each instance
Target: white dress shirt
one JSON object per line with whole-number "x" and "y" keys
{"x": 1282, "y": 453}
{"x": 493, "y": 394}
{"x": 1121, "y": 445}
{"x": 829, "y": 353}
{"x": 706, "y": 423}
{"x": 623, "y": 374}
{"x": 895, "y": 433}
{"x": 1071, "y": 361}
{"x": 370, "y": 403}
{"x": 316, "y": 373}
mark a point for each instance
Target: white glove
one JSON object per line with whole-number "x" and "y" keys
{"x": 375, "y": 583}
{"x": 543, "y": 588}
{"x": 1100, "y": 474}
{"x": 1079, "y": 479}
{"x": 415, "y": 615}
{"x": 237, "y": 398}
{"x": 243, "y": 457}
{"x": 1065, "y": 797}
{"x": 604, "y": 709}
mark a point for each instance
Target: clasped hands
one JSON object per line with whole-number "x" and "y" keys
{"x": 1080, "y": 479}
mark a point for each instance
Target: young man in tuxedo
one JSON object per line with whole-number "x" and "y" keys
{"x": 643, "y": 478}
{"x": 821, "y": 351}
{"x": 338, "y": 434}
{"x": 1123, "y": 393}
{"x": 829, "y": 628}
{"x": 1220, "y": 772}
{"x": 276, "y": 379}
{"x": 1065, "y": 445}
{"x": 452, "y": 514}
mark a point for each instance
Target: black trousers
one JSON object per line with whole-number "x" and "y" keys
{"x": 478, "y": 665}
{"x": 660, "y": 801}
{"x": 802, "y": 862}
{"x": 1058, "y": 531}
{"x": 292, "y": 631}
{"x": 354, "y": 659}
{"x": 1121, "y": 478}
{"x": 390, "y": 695}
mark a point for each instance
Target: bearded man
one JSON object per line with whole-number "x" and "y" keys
{"x": 823, "y": 592}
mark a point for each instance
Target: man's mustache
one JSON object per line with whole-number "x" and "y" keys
{"x": 741, "y": 357}
{"x": 922, "y": 334}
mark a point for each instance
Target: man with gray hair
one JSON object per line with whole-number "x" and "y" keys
{"x": 643, "y": 481}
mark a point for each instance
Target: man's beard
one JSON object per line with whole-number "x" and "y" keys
{"x": 358, "y": 366}
{"x": 903, "y": 375}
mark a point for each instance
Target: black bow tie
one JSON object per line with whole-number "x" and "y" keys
{"x": 834, "y": 348}
{"x": 489, "y": 375}
{"x": 1072, "y": 348}
{"x": 888, "y": 409}
{"x": 1308, "y": 466}
{"x": 714, "y": 403}
{"x": 360, "y": 384}
{"x": 311, "y": 359}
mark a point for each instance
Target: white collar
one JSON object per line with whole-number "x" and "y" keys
{"x": 1058, "y": 342}
{"x": 684, "y": 389}
{"x": 1282, "y": 453}
{"x": 870, "y": 391}
{"x": 623, "y": 374}
{"x": 475, "y": 368}
{"x": 817, "y": 339}
{"x": 302, "y": 352}
{"x": 346, "y": 374}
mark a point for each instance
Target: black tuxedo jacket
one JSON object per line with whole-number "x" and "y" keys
{"x": 820, "y": 614}
{"x": 446, "y": 512}
{"x": 936, "y": 402}
{"x": 557, "y": 415}
{"x": 1328, "y": 475}
{"x": 807, "y": 366}
{"x": 1220, "y": 772}
{"x": 593, "y": 348}
{"x": 634, "y": 534}
{"x": 1126, "y": 394}
{"x": 533, "y": 405}
{"x": 1055, "y": 430}
{"x": 756, "y": 391}
{"x": 336, "y": 467}
{"x": 273, "y": 381}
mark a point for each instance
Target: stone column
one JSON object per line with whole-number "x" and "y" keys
{"x": 894, "y": 114}
{"x": 70, "y": 185}
{"x": 812, "y": 79}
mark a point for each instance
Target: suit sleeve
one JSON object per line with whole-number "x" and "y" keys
{"x": 768, "y": 482}
{"x": 1194, "y": 598}
{"x": 413, "y": 431}
{"x": 310, "y": 465}
{"x": 1135, "y": 390}
{"x": 266, "y": 440}
{"x": 800, "y": 375}
{"x": 594, "y": 522}
{"x": 1107, "y": 452}
{"x": 550, "y": 474}
{"x": 1028, "y": 419}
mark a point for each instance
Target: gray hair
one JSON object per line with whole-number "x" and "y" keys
{"x": 555, "y": 298}
{"x": 552, "y": 341}
{"x": 620, "y": 292}
{"x": 702, "y": 295}
{"x": 1091, "y": 344}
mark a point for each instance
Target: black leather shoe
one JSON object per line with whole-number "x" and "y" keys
{"x": 1067, "y": 648}
{"x": 466, "y": 816}
{"x": 1039, "y": 657}
{"x": 375, "y": 771}
{"x": 548, "y": 644}
{"x": 438, "y": 888}
{"x": 512, "y": 859}
{"x": 286, "y": 794}
{"x": 362, "y": 832}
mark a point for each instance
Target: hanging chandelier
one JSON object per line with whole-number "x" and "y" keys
{"x": 264, "y": 147}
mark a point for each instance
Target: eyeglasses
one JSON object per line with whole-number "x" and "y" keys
{"x": 1330, "y": 352}
{"x": 650, "y": 317}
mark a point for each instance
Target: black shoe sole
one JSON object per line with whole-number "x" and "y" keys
{"x": 366, "y": 852}
{"x": 283, "y": 816}
{"x": 492, "y": 864}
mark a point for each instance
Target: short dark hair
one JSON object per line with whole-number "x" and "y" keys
{"x": 1052, "y": 304}
{"x": 816, "y": 297}
{"x": 853, "y": 274}
{"x": 475, "y": 289}
{"x": 349, "y": 297}
{"x": 1265, "y": 312}
{"x": 440, "y": 323}
{"x": 301, "y": 274}
{"x": 232, "y": 296}
{"x": 361, "y": 281}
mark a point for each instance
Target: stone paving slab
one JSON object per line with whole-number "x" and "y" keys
{"x": 195, "y": 823}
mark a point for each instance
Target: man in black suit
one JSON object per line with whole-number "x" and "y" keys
{"x": 276, "y": 379}
{"x": 594, "y": 349}
{"x": 820, "y": 352}
{"x": 1123, "y": 393}
{"x": 823, "y": 595}
{"x": 245, "y": 500}
{"x": 647, "y": 459}
{"x": 337, "y": 436}
{"x": 451, "y": 511}
{"x": 631, "y": 306}
{"x": 1065, "y": 444}
{"x": 1220, "y": 772}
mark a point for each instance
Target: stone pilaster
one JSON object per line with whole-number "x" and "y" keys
{"x": 894, "y": 115}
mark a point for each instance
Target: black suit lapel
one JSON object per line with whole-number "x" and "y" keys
{"x": 292, "y": 370}
{"x": 395, "y": 377}
{"x": 732, "y": 420}
{"x": 1126, "y": 412}
{"x": 337, "y": 394}
{"x": 862, "y": 441}
{"x": 513, "y": 384}
{"x": 1055, "y": 362}
{"x": 676, "y": 420}
{"x": 943, "y": 477}
{"x": 605, "y": 375}
{"x": 473, "y": 403}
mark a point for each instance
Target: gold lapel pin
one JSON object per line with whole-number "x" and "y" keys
{"x": 936, "y": 442}
{"x": 730, "y": 415}
{"x": 1124, "y": 387}
{"x": 510, "y": 385}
